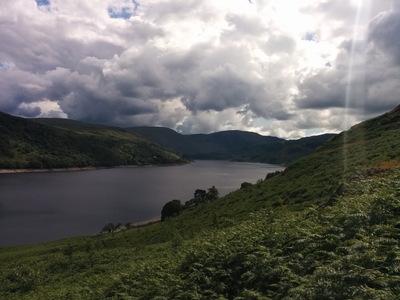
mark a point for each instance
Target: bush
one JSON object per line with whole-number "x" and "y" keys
{"x": 171, "y": 209}
{"x": 245, "y": 185}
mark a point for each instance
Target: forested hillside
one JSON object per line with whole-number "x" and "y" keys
{"x": 25, "y": 144}
{"x": 233, "y": 145}
{"x": 328, "y": 227}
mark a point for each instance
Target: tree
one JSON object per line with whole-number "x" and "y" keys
{"x": 200, "y": 195}
{"x": 111, "y": 228}
{"x": 245, "y": 185}
{"x": 171, "y": 209}
{"x": 212, "y": 194}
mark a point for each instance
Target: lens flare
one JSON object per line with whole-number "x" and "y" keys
{"x": 355, "y": 87}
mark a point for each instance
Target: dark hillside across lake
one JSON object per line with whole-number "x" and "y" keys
{"x": 39, "y": 207}
{"x": 25, "y": 144}
{"x": 234, "y": 145}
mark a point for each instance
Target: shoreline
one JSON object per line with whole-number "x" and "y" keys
{"x": 75, "y": 169}
{"x": 134, "y": 225}
{"x": 146, "y": 222}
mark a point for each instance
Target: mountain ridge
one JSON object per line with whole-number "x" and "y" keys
{"x": 234, "y": 145}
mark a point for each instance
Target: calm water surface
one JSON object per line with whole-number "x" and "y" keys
{"x": 40, "y": 207}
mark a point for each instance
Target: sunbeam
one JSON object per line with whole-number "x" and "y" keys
{"x": 356, "y": 86}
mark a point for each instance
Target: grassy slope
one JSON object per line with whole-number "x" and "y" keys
{"x": 268, "y": 241}
{"x": 27, "y": 144}
{"x": 283, "y": 152}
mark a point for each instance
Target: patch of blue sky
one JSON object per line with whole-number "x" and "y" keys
{"x": 1, "y": 65}
{"x": 314, "y": 131}
{"x": 42, "y": 2}
{"x": 328, "y": 64}
{"x": 309, "y": 36}
{"x": 125, "y": 12}
{"x": 261, "y": 122}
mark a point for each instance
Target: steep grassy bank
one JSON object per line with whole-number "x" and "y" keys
{"x": 272, "y": 240}
{"x": 25, "y": 144}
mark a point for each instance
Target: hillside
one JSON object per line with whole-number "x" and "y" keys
{"x": 25, "y": 144}
{"x": 233, "y": 145}
{"x": 328, "y": 227}
{"x": 73, "y": 125}
{"x": 169, "y": 139}
{"x": 283, "y": 152}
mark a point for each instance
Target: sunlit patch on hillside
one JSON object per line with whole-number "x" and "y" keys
{"x": 390, "y": 164}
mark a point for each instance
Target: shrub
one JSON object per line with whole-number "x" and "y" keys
{"x": 170, "y": 209}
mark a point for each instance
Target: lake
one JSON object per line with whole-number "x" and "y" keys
{"x": 40, "y": 207}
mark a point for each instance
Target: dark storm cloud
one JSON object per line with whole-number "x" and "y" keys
{"x": 107, "y": 82}
{"x": 91, "y": 98}
{"x": 29, "y": 112}
{"x": 183, "y": 63}
{"x": 323, "y": 90}
{"x": 269, "y": 108}
{"x": 221, "y": 88}
{"x": 19, "y": 87}
{"x": 96, "y": 108}
{"x": 41, "y": 49}
{"x": 203, "y": 78}
{"x": 49, "y": 64}
{"x": 384, "y": 32}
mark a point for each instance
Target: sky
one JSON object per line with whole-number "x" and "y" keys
{"x": 277, "y": 67}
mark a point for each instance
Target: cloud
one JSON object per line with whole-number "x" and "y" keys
{"x": 201, "y": 66}
{"x": 361, "y": 78}
{"x": 384, "y": 32}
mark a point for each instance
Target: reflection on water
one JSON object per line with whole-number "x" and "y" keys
{"x": 38, "y": 207}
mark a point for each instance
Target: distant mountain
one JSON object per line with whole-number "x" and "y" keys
{"x": 233, "y": 145}
{"x": 283, "y": 152}
{"x": 218, "y": 145}
{"x": 28, "y": 144}
{"x": 169, "y": 139}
